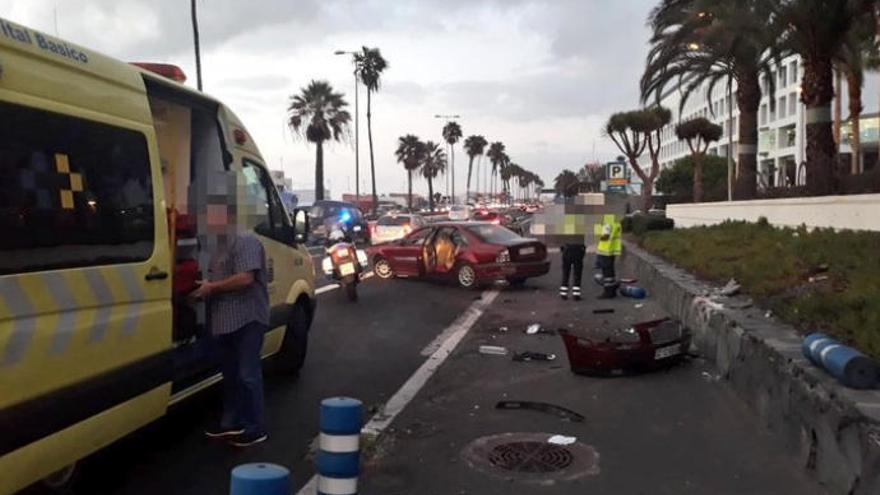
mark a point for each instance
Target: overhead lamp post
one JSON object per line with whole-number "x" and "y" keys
{"x": 450, "y": 118}
{"x": 357, "y": 176}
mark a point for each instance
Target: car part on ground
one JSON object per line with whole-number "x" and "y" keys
{"x": 566, "y": 414}
{"x": 643, "y": 346}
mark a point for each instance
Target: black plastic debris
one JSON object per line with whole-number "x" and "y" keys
{"x": 566, "y": 414}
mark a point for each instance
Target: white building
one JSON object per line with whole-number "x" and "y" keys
{"x": 781, "y": 143}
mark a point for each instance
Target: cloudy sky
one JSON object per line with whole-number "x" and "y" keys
{"x": 540, "y": 76}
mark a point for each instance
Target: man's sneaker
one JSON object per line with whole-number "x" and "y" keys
{"x": 576, "y": 293}
{"x": 563, "y": 292}
{"x": 221, "y": 432}
{"x": 248, "y": 439}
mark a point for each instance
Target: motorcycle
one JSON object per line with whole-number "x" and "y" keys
{"x": 344, "y": 263}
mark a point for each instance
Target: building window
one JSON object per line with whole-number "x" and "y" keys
{"x": 781, "y": 105}
{"x": 783, "y": 79}
{"x": 794, "y": 72}
{"x": 764, "y": 114}
{"x": 792, "y": 104}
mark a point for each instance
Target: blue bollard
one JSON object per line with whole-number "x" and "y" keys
{"x": 812, "y": 341}
{"x": 338, "y": 462}
{"x": 259, "y": 479}
{"x": 851, "y": 368}
{"x": 633, "y": 291}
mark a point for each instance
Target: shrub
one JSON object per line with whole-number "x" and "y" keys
{"x": 677, "y": 181}
{"x": 640, "y": 223}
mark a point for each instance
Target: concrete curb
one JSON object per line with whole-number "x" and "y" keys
{"x": 834, "y": 432}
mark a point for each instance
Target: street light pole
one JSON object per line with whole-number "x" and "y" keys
{"x": 357, "y": 134}
{"x": 730, "y": 137}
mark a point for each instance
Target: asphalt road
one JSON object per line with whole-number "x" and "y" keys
{"x": 671, "y": 433}
{"x": 364, "y": 350}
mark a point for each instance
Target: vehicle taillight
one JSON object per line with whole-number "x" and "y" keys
{"x": 503, "y": 256}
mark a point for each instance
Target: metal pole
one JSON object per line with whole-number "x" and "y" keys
{"x": 730, "y": 138}
{"x": 195, "y": 25}
{"x": 357, "y": 136}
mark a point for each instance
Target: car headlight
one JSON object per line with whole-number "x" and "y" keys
{"x": 626, "y": 337}
{"x": 503, "y": 257}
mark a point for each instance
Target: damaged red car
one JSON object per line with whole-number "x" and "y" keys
{"x": 470, "y": 253}
{"x": 642, "y": 346}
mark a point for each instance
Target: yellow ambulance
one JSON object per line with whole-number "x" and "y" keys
{"x": 104, "y": 170}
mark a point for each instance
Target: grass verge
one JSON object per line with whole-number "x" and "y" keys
{"x": 815, "y": 280}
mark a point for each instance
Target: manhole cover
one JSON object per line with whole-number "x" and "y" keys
{"x": 530, "y": 457}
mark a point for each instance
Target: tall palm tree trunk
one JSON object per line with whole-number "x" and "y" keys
{"x": 818, "y": 91}
{"x": 855, "y": 113}
{"x": 467, "y": 193}
{"x": 748, "y": 99}
{"x": 319, "y": 170}
{"x": 452, "y": 162}
{"x": 409, "y": 189}
{"x": 372, "y": 160}
{"x": 430, "y": 193}
{"x": 838, "y": 106}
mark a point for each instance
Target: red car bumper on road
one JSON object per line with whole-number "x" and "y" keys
{"x": 646, "y": 345}
{"x": 501, "y": 271}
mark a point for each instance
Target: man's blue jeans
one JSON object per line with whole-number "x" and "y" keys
{"x": 243, "y": 378}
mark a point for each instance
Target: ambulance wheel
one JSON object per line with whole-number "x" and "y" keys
{"x": 60, "y": 480}
{"x": 296, "y": 340}
{"x": 382, "y": 268}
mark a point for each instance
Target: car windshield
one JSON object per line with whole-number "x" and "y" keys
{"x": 393, "y": 221}
{"x": 458, "y": 208}
{"x": 493, "y": 234}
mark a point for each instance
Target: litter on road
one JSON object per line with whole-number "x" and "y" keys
{"x": 730, "y": 289}
{"x": 600, "y": 311}
{"x": 493, "y": 350}
{"x": 564, "y": 413}
{"x": 533, "y": 329}
{"x": 561, "y": 440}
{"x": 638, "y": 306}
{"x": 533, "y": 356}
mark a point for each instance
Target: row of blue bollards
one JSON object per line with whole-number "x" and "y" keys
{"x": 849, "y": 366}
{"x": 338, "y": 462}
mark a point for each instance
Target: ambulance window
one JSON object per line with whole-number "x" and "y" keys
{"x": 270, "y": 217}
{"x": 73, "y": 192}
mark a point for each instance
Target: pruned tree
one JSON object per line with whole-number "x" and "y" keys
{"x": 699, "y": 133}
{"x": 635, "y": 131}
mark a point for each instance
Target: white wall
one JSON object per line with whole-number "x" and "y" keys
{"x": 856, "y": 212}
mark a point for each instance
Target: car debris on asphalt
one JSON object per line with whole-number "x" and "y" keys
{"x": 493, "y": 350}
{"x": 562, "y": 412}
{"x": 599, "y": 311}
{"x": 533, "y": 329}
{"x": 561, "y": 440}
{"x": 533, "y": 356}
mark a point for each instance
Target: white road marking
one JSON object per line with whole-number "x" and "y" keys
{"x": 455, "y": 332}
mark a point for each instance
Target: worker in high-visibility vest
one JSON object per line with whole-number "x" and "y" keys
{"x": 608, "y": 247}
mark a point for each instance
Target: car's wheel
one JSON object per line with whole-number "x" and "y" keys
{"x": 516, "y": 281}
{"x": 296, "y": 340}
{"x": 382, "y": 268}
{"x": 466, "y": 276}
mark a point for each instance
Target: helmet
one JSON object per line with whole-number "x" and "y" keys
{"x": 336, "y": 235}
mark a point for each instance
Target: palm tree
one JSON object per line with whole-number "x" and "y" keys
{"x": 410, "y": 152}
{"x": 566, "y": 183}
{"x": 433, "y": 163}
{"x": 697, "y": 42}
{"x": 699, "y": 133}
{"x": 318, "y": 114}
{"x": 370, "y": 65}
{"x": 858, "y": 52}
{"x": 818, "y": 30}
{"x": 452, "y": 133}
{"x": 496, "y": 157}
{"x": 474, "y": 145}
